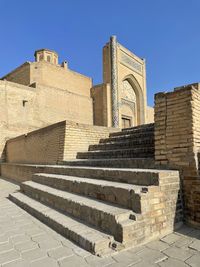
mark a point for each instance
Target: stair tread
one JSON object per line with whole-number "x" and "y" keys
{"x": 133, "y": 170}
{"x": 129, "y": 136}
{"x": 123, "y": 149}
{"x": 75, "y": 225}
{"x": 82, "y": 200}
{"x": 135, "y": 188}
{"x": 143, "y": 126}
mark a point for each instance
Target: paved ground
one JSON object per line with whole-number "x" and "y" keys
{"x": 24, "y": 241}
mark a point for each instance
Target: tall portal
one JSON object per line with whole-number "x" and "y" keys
{"x": 130, "y": 83}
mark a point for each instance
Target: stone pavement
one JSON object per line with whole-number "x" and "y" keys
{"x": 25, "y": 241}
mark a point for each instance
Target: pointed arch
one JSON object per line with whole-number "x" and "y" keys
{"x": 140, "y": 102}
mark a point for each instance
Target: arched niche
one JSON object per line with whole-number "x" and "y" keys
{"x": 134, "y": 99}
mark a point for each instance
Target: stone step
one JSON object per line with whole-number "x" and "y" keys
{"x": 145, "y": 152}
{"x": 109, "y": 218}
{"x": 123, "y": 144}
{"x": 129, "y": 137}
{"x": 146, "y": 163}
{"x": 83, "y": 235}
{"x": 125, "y": 195}
{"x": 143, "y": 126}
{"x": 134, "y": 130}
{"x": 22, "y": 172}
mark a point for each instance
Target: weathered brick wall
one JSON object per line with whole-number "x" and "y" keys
{"x": 54, "y": 143}
{"x": 79, "y": 136}
{"x": 177, "y": 141}
{"x": 42, "y": 146}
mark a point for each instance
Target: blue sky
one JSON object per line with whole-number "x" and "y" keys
{"x": 165, "y": 32}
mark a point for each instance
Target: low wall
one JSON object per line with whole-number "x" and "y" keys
{"x": 42, "y": 146}
{"x": 54, "y": 143}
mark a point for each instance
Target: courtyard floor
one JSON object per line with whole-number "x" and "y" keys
{"x": 25, "y": 241}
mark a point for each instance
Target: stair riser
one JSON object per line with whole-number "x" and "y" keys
{"x": 128, "y": 137}
{"x": 120, "y": 196}
{"x": 95, "y": 248}
{"x": 136, "y": 178}
{"x": 118, "y": 163}
{"x": 104, "y": 221}
{"x": 113, "y": 155}
{"x": 140, "y": 131}
{"x": 123, "y": 145}
{"x": 139, "y": 127}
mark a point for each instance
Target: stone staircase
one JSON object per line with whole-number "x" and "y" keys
{"x": 104, "y": 209}
{"x": 136, "y": 142}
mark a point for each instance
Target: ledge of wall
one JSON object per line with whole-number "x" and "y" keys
{"x": 54, "y": 143}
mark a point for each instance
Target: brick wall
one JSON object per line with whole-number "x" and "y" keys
{"x": 42, "y": 146}
{"x": 177, "y": 141}
{"x": 54, "y": 143}
{"x": 79, "y": 136}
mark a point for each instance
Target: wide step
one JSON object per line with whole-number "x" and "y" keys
{"x": 107, "y": 217}
{"x": 128, "y": 137}
{"x": 125, "y": 144}
{"x": 122, "y": 153}
{"x": 88, "y": 238}
{"x": 125, "y": 195}
{"x": 130, "y": 176}
{"x": 113, "y": 163}
{"x": 148, "y": 128}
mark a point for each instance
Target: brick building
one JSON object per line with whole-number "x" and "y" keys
{"x": 37, "y": 94}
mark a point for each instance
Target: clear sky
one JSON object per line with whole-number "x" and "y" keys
{"x": 165, "y": 32}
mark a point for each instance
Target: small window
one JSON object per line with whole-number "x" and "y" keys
{"x": 48, "y": 58}
{"x": 40, "y": 57}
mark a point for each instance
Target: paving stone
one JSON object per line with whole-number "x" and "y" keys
{"x": 95, "y": 261}
{"x": 172, "y": 263}
{"x": 195, "y": 233}
{"x": 157, "y": 245}
{"x": 74, "y": 261}
{"x": 17, "y": 263}
{"x": 195, "y": 245}
{"x": 49, "y": 244}
{"x": 20, "y": 239}
{"x": 22, "y": 247}
{"x": 178, "y": 253}
{"x": 126, "y": 258}
{"x": 34, "y": 231}
{"x": 9, "y": 256}
{"x": 60, "y": 253}
{"x": 194, "y": 261}
{"x": 183, "y": 242}
{"x": 81, "y": 252}
{"x": 6, "y": 247}
{"x": 151, "y": 256}
{"x": 184, "y": 230}
{"x": 42, "y": 237}
{"x": 46, "y": 262}
{"x": 144, "y": 264}
{"x": 34, "y": 254}
{"x": 171, "y": 238}
{"x": 3, "y": 238}
{"x": 137, "y": 249}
